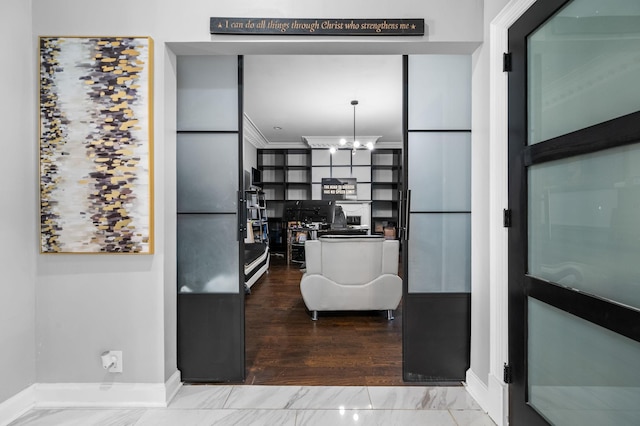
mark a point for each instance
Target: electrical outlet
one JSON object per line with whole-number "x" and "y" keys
{"x": 117, "y": 365}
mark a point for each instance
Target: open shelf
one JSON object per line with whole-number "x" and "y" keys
{"x": 295, "y": 174}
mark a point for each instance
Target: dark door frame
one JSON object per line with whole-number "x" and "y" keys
{"x": 618, "y": 132}
{"x": 210, "y": 326}
{"x": 436, "y": 328}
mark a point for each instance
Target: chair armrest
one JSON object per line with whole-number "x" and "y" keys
{"x": 390, "y": 253}
{"x": 313, "y": 256}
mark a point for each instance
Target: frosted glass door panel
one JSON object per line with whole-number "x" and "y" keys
{"x": 584, "y": 223}
{"x": 207, "y": 93}
{"x": 440, "y": 253}
{"x": 207, "y": 254}
{"x": 440, "y": 171}
{"x": 580, "y": 373}
{"x": 440, "y": 95}
{"x": 207, "y": 181}
{"x": 583, "y": 67}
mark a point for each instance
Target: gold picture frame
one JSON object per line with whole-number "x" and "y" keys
{"x": 96, "y": 144}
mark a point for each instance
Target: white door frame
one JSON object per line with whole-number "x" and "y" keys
{"x": 498, "y": 392}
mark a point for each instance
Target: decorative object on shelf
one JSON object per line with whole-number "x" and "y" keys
{"x": 354, "y": 144}
{"x": 96, "y": 180}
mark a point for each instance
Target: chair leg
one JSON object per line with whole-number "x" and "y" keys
{"x": 390, "y": 314}
{"x": 314, "y": 315}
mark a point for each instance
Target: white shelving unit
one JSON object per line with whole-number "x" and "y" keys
{"x": 257, "y": 220}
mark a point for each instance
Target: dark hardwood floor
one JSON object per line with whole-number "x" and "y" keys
{"x": 285, "y": 347}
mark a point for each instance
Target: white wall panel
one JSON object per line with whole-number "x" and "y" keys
{"x": 18, "y": 220}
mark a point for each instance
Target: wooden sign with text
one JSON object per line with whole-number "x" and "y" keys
{"x": 305, "y": 26}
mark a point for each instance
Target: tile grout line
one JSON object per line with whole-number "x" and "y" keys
{"x": 453, "y": 417}
{"x": 226, "y": 400}
{"x": 369, "y": 395}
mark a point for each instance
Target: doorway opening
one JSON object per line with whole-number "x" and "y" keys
{"x": 296, "y": 107}
{"x": 436, "y": 127}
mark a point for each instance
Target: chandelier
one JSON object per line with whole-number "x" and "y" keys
{"x": 354, "y": 144}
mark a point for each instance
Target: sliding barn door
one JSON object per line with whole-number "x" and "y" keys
{"x": 210, "y": 274}
{"x": 437, "y": 218}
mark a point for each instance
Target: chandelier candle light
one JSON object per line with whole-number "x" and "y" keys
{"x": 355, "y": 144}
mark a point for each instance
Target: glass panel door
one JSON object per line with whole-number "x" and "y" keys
{"x": 437, "y": 155}
{"x": 583, "y": 64}
{"x": 584, "y": 213}
{"x": 574, "y": 189}
{"x": 207, "y": 208}
{"x": 209, "y": 226}
{"x": 580, "y": 373}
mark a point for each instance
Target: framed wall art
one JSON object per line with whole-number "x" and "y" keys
{"x": 96, "y": 145}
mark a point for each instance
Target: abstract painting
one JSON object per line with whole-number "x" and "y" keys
{"x": 96, "y": 140}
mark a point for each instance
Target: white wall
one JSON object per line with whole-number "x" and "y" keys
{"x": 479, "y": 218}
{"x": 91, "y": 303}
{"x": 480, "y": 283}
{"x": 249, "y": 156}
{"x": 189, "y": 20}
{"x": 165, "y": 196}
{"x": 86, "y": 304}
{"x": 18, "y": 195}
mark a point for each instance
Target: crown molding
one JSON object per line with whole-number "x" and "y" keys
{"x": 329, "y": 141}
{"x": 286, "y": 145}
{"x": 388, "y": 145}
{"x": 252, "y": 134}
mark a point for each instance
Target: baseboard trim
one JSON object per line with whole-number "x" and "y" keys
{"x": 83, "y": 395}
{"x": 17, "y": 405}
{"x": 102, "y": 395}
{"x": 99, "y": 395}
{"x": 498, "y": 399}
{"x": 172, "y": 386}
{"x": 492, "y": 398}
{"x": 477, "y": 389}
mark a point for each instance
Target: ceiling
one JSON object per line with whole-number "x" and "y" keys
{"x": 290, "y": 97}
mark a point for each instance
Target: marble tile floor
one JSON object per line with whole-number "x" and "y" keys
{"x": 284, "y": 405}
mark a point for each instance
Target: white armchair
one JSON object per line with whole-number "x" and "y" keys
{"x": 347, "y": 273}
